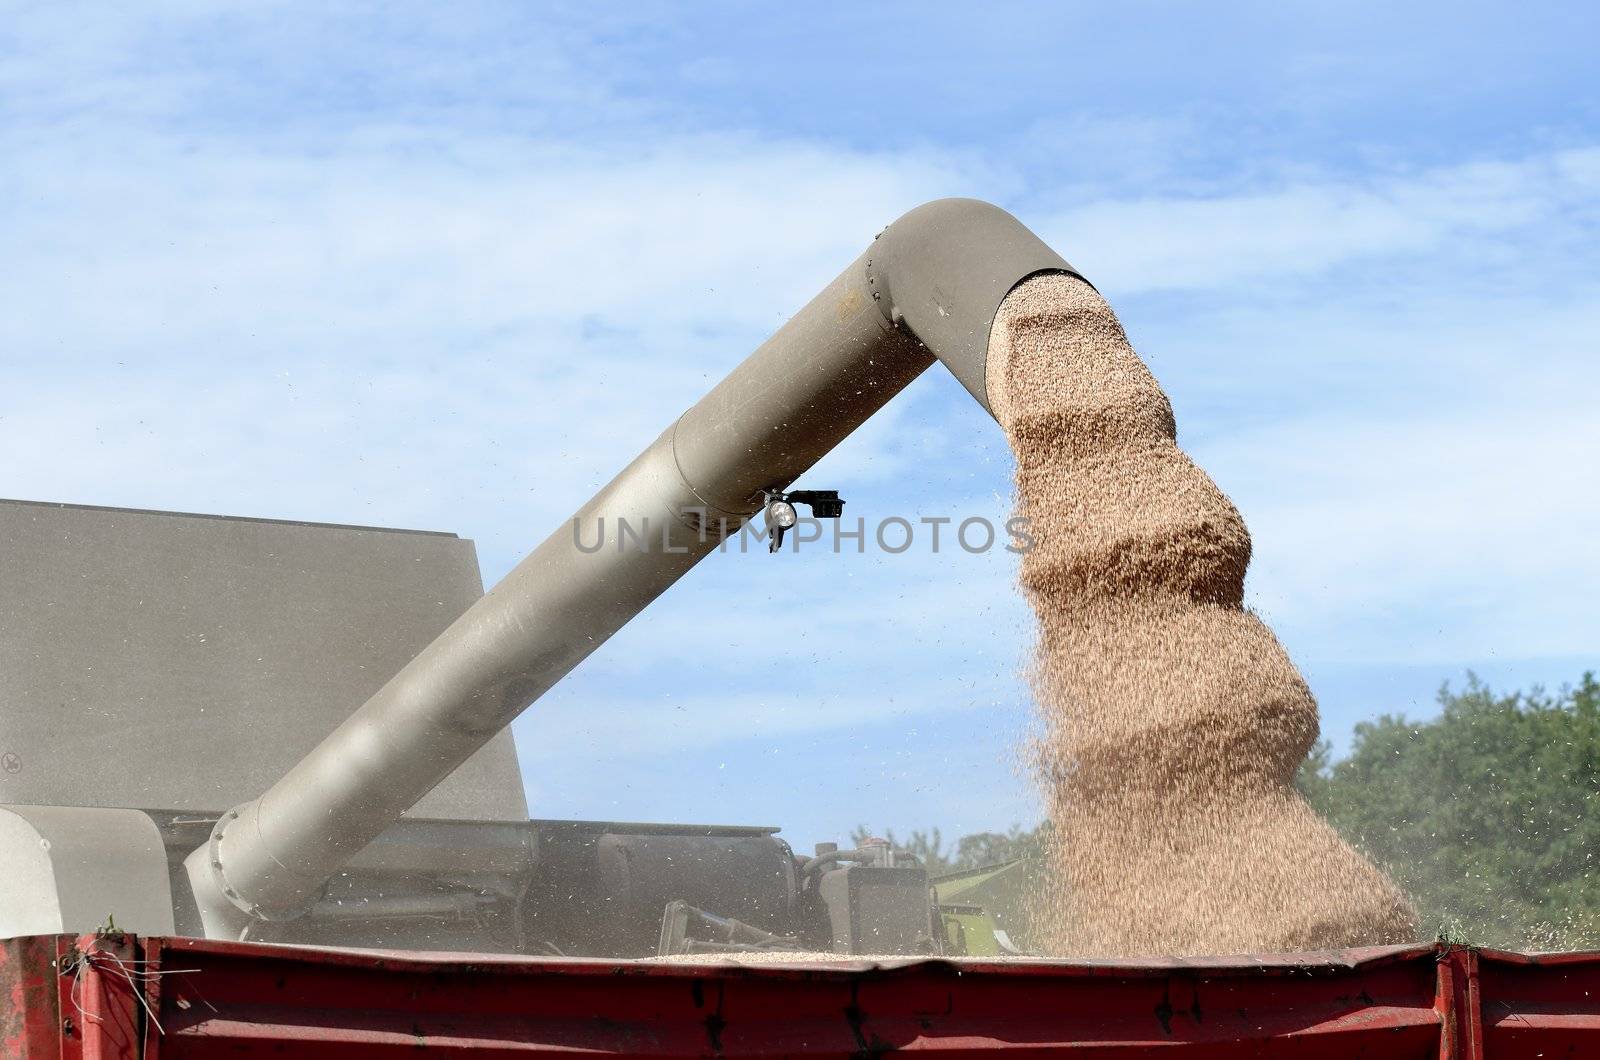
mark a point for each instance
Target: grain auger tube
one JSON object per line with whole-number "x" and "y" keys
{"x": 926, "y": 289}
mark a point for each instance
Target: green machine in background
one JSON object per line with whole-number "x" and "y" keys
{"x": 983, "y": 911}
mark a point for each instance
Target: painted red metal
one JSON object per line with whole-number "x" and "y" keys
{"x": 30, "y": 1021}
{"x": 102, "y": 982}
{"x": 71, "y": 998}
{"x": 117, "y": 997}
{"x": 1540, "y": 1006}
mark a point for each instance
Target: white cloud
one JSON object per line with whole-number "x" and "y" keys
{"x": 279, "y": 256}
{"x": 276, "y": 330}
{"x": 1309, "y": 226}
{"x": 1436, "y": 538}
{"x": 1392, "y": 377}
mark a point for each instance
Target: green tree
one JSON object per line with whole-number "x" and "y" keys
{"x": 994, "y": 848}
{"x": 968, "y": 852}
{"x": 1488, "y": 815}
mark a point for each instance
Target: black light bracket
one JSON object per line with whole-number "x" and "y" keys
{"x": 780, "y": 510}
{"x": 824, "y": 504}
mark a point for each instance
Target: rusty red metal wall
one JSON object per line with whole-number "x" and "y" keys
{"x": 30, "y": 1021}
{"x": 117, "y": 998}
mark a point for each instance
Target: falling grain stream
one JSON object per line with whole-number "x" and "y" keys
{"x": 1173, "y": 720}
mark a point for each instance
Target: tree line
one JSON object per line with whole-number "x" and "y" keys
{"x": 1488, "y": 814}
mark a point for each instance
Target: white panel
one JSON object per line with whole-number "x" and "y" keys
{"x": 77, "y": 868}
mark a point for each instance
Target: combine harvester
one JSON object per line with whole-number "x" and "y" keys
{"x": 203, "y": 854}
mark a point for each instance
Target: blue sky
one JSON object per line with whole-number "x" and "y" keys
{"x": 451, "y": 266}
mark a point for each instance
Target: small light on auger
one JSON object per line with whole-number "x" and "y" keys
{"x": 781, "y": 515}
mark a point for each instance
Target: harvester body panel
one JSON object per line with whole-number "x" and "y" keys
{"x": 159, "y": 659}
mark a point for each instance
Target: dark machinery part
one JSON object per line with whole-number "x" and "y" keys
{"x": 877, "y": 900}
{"x": 872, "y": 909}
{"x": 601, "y": 888}
{"x": 567, "y": 888}
{"x": 873, "y": 901}
{"x": 824, "y": 504}
{"x": 686, "y": 929}
{"x": 781, "y": 515}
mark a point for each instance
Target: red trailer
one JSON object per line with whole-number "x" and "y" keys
{"x": 119, "y": 996}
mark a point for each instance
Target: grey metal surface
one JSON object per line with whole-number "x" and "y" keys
{"x": 600, "y": 890}
{"x": 186, "y": 662}
{"x": 944, "y": 268}
{"x": 797, "y": 396}
{"x": 878, "y": 909}
{"x": 71, "y": 868}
